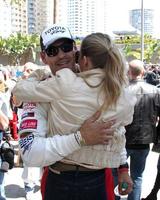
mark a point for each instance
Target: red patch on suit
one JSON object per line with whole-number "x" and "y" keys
{"x": 28, "y": 124}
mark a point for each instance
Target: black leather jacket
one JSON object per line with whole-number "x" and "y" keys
{"x": 147, "y": 109}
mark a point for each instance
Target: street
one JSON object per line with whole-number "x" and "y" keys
{"x": 14, "y": 184}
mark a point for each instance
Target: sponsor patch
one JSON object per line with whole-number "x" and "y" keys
{"x": 29, "y": 106}
{"x": 25, "y": 143}
{"x": 27, "y": 114}
{"x": 28, "y": 124}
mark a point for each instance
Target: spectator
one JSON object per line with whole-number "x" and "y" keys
{"x": 152, "y": 76}
{"x": 142, "y": 131}
{"x": 4, "y": 124}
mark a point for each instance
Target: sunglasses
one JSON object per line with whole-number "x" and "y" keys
{"x": 54, "y": 50}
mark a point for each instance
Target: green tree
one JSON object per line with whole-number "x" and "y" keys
{"x": 129, "y": 52}
{"x": 16, "y": 46}
{"x": 132, "y": 47}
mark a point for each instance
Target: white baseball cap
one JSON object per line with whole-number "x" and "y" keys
{"x": 55, "y": 32}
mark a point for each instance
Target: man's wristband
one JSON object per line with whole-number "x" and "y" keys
{"x": 79, "y": 138}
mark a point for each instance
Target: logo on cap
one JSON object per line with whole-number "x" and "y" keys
{"x": 55, "y": 29}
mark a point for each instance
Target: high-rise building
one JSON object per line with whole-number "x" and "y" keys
{"x": 84, "y": 16}
{"x": 27, "y": 16}
{"x": 135, "y": 20}
{"x": 81, "y": 16}
{"x": 31, "y": 7}
{"x": 60, "y": 11}
{"x": 40, "y": 15}
{"x": 5, "y": 19}
{"x": 44, "y": 14}
{"x": 13, "y": 18}
{"x": 19, "y": 17}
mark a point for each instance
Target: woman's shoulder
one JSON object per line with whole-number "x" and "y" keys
{"x": 65, "y": 71}
{"x": 65, "y": 75}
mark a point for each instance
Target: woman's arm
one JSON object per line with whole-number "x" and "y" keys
{"x": 48, "y": 90}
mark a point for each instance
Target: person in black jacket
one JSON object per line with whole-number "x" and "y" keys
{"x": 151, "y": 78}
{"x": 152, "y": 75}
{"x": 142, "y": 131}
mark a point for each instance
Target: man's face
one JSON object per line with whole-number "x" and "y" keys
{"x": 59, "y": 55}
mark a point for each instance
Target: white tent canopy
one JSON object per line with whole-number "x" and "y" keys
{"x": 126, "y": 30}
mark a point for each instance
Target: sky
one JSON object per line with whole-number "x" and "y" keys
{"x": 121, "y": 8}
{"x": 131, "y": 4}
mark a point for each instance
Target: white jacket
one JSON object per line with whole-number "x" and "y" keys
{"x": 72, "y": 102}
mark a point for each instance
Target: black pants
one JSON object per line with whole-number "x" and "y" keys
{"x": 76, "y": 185}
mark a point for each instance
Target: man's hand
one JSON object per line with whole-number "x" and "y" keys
{"x": 97, "y": 132}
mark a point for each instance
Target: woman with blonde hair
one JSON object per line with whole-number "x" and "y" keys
{"x": 100, "y": 85}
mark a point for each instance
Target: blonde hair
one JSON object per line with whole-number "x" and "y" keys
{"x": 104, "y": 54}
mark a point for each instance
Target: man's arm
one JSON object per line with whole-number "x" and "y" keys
{"x": 37, "y": 150}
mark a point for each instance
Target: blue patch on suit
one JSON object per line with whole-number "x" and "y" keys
{"x": 25, "y": 143}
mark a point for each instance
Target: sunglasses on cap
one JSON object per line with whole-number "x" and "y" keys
{"x": 52, "y": 51}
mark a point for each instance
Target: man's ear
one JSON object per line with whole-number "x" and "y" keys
{"x": 43, "y": 57}
{"x": 75, "y": 47}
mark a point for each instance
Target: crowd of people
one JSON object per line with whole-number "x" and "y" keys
{"x": 152, "y": 74}
{"x": 78, "y": 120}
{"x": 9, "y": 124}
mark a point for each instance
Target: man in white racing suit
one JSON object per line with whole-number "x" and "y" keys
{"x": 38, "y": 146}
